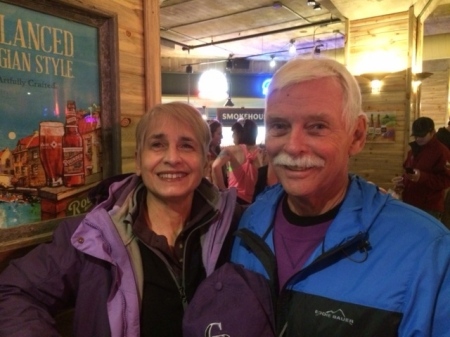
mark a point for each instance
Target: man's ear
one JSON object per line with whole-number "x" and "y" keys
{"x": 137, "y": 163}
{"x": 358, "y": 136}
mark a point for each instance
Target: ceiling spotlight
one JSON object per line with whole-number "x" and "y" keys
{"x": 311, "y": 2}
{"x": 292, "y": 48}
{"x": 317, "y": 7}
{"x": 272, "y": 61}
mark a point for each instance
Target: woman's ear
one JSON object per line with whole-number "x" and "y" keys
{"x": 358, "y": 136}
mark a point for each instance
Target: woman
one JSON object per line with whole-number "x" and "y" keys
{"x": 130, "y": 266}
{"x": 237, "y": 130}
{"x": 215, "y": 127}
{"x": 244, "y": 160}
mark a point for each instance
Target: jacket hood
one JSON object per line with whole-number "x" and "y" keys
{"x": 119, "y": 207}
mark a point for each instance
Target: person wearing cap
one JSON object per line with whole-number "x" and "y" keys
{"x": 427, "y": 169}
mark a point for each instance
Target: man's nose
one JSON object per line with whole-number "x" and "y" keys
{"x": 296, "y": 142}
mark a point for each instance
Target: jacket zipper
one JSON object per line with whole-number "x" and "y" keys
{"x": 359, "y": 241}
{"x": 181, "y": 287}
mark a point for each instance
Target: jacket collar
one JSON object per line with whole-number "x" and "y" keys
{"x": 361, "y": 206}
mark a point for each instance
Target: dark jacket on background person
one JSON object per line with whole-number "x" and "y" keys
{"x": 443, "y": 135}
{"x": 382, "y": 269}
{"x": 94, "y": 264}
{"x": 433, "y": 161}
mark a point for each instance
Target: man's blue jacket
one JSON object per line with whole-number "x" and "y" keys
{"x": 383, "y": 269}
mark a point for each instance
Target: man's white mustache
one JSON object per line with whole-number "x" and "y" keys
{"x": 307, "y": 161}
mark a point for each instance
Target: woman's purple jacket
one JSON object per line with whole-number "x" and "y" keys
{"x": 91, "y": 265}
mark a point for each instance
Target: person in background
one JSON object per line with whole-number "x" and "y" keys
{"x": 131, "y": 265}
{"x": 427, "y": 169}
{"x": 237, "y": 130}
{"x": 350, "y": 259}
{"x": 443, "y": 135}
{"x": 216, "y": 137}
{"x": 215, "y": 128}
{"x": 244, "y": 160}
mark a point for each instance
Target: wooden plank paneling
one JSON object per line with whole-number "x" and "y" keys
{"x": 380, "y": 162}
{"x": 434, "y": 97}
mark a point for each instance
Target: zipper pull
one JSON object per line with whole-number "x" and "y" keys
{"x": 183, "y": 297}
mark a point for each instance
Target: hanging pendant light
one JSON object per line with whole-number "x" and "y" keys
{"x": 229, "y": 102}
{"x": 292, "y": 48}
{"x": 213, "y": 85}
{"x": 272, "y": 61}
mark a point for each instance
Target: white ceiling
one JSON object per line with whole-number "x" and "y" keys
{"x": 259, "y": 29}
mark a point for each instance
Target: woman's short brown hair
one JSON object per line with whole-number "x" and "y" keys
{"x": 180, "y": 111}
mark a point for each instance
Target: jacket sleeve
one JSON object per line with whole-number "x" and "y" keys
{"x": 439, "y": 177}
{"x": 36, "y": 287}
{"x": 428, "y": 311}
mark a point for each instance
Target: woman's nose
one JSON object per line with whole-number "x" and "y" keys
{"x": 172, "y": 154}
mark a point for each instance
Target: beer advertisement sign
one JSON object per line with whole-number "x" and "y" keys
{"x": 51, "y": 109}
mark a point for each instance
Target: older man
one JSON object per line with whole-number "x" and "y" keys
{"x": 350, "y": 260}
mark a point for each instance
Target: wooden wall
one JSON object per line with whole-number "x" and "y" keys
{"x": 435, "y": 92}
{"x": 139, "y": 84}
{"x": 388, "y": 35}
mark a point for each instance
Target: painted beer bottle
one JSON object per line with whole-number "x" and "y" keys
{"x": 73, "y": 161}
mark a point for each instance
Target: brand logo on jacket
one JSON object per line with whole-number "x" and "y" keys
{"x": 337, "y": 315}
{"x": 209, "y": 328}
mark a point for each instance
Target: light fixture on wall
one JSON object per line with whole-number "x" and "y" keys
{"x": 376, "y": 81}
{"x": 376, "y": 86}
{"x": 418, "y": 78}
{"x": 272, "y": 61}
{"x": 417, "y": 90}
